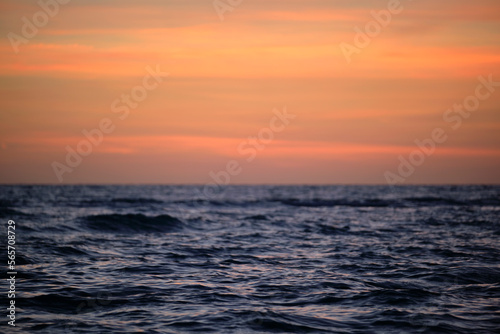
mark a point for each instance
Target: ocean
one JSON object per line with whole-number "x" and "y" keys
{"x": 252, "y": 259}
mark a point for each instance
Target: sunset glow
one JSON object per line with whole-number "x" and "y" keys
{"x": 228, "y": 78}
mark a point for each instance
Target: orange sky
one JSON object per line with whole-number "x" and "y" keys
{"x": 353, "y": 120}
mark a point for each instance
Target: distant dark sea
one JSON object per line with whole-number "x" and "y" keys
{"x": 253, "y": 259}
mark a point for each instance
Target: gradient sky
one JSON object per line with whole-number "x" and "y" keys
{"x": 353, "y": 120}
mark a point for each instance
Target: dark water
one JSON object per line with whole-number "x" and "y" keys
{"x": 262, "y": 259}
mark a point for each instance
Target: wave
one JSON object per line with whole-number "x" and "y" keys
{"x": 8, "y": 212}
{"x": 339, "y": 202}
{"x": 133, "y": 223}
{"x": 6, "y": 203}
{"x": 401, "y": 203}
{"x": 257, "y": 217}
{"x": 69, "y": 303}
{"x": 118, "y": 202}
{"x": 271, "y": 321}
{"x": 140, "y": 201}
{"x": 68, "y": 251}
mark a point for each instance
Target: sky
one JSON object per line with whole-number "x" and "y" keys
{"x": 250, "y": 92}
